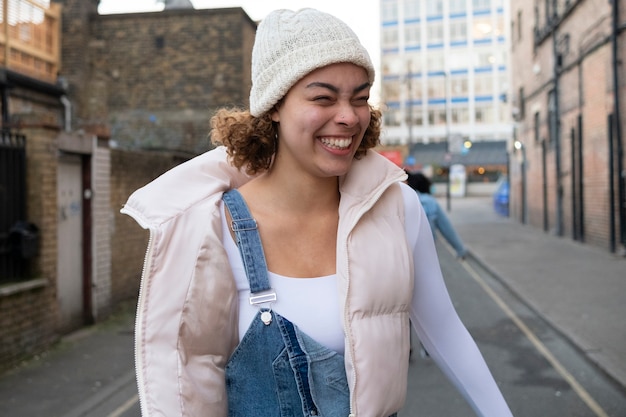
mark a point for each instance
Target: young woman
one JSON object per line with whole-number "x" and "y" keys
{"x": 283, "y": 266}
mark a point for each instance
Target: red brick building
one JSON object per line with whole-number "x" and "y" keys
{"x": 567, "y": 171}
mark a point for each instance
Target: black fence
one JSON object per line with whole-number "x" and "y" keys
{"x": 18, "y": 238}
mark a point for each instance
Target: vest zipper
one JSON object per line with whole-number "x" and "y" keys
{"x": 140, "y": 307}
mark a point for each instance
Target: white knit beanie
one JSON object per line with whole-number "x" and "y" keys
{"x": 289, "y": 45}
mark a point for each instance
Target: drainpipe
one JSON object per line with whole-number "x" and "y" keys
{"x": 67, "y": 112}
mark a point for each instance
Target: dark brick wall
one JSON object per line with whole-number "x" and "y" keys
{"x": 155, "y": 78}
{"x": 131, "y": 170}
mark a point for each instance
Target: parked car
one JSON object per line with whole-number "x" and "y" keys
{"x": 501, "y": 197}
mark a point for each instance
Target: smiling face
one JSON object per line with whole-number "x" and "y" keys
{"x": 322, "y": 120}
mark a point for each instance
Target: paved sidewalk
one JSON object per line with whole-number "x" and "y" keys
{"x": 76, "y": 375}
{"x": 577, "y": 288}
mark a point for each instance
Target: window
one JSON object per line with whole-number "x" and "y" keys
{"x": 412, "y": 9}
{"x": 481, "y": 4}
{"x": 484, "y": 57}
{"x": 483, "y": 84}
{"x": 519, "y": 26}
{"x": 459, "y": 115}
{"x": 459, "y": 86}
{"x": 485, "y": 114}
{"x": 393, "y": 65}
{"x": 521, "y": 103}
{"x": 390, "y": 37}
{"x": 412, "y": 34}
{"x": 536, "y": 126}
{"x": 458, "y": 59}
{"x": 415, "y": 61}
{"x": 434, "y": 7}
{"x": 392, "y": 117}
{"x": 458, "y": 30}
{"x": 435, "y": 61}
{"x": 458, "y": 7}
{"x": 482, "y": 28}
{"x": 436, "y": 87}
{"x": 415, "y": 89}
{"x": 434, "y": 32}
{"x": 389, "y": 11}
{"x": 391, "y": 90}
{"x": 552, "y": 117}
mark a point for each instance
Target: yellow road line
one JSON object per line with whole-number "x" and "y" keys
{"x": 582, "y": 393}
{"x": 124, "y": 407}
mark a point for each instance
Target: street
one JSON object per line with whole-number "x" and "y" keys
{"x": 539, "y": 371}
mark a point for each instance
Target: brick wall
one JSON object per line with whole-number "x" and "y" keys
{"x": 28, "y": 309}
{"x": 585, "y": 91}
{"x": 130, "y": 170}
{"x": 155, "y": 77}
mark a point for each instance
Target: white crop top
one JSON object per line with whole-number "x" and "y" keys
{"x": 310, "y": 303}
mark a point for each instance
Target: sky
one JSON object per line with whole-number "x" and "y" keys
{"x": 361, "y": 16}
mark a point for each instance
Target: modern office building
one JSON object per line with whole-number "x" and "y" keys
{"x": 445, "y": 72}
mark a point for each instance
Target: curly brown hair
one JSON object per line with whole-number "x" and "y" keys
{"x": 251, "y": 141}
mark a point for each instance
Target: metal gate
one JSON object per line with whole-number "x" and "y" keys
{"x": 15, "y": 234}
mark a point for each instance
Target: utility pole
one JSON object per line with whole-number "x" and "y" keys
{"x": 409, "y": 118}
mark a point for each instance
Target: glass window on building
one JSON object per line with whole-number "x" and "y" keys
{"x": 389, "y": 11}
{"x": 431, "y": 117}
{"x": 412, "y": 34}
{"x": 434, "y": 32}
{"x": 440, "y": 116}
{"x": 484, "y": 113}
{"x": 459, "y": 85}
{"x": 459, "y": 115}
{"x": 458, "y": 59}
{"x": 458, "y": 7}
{"x": 481, "y": 5}
{"x": 416, "y": 89}
{"x": 482, "y": 28}
{"x": 434, "y": 8}
{"x": 393, "y": 65}
{"x": 483, "y": 84}
{"x": 484, "y": 57}
{"x": 414, "y": 60}
{"x": 436, "y": 87}
{"x": 435, "y": 61}
{"x": 418, "y": 115}
{"x": 499, "y": 29}
{"x": 391, "y": 90}
{"x": 458, "y": 30}
{"x": 390, "y": 37}
{"x": 503, "y": 110}
{"x": 392, "y": 117}
{"x": 412, "y": 9}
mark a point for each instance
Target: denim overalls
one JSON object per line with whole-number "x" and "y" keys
{"x": 277, "y": 370}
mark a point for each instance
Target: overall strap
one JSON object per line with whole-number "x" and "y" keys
{"x": 250, "y": 248}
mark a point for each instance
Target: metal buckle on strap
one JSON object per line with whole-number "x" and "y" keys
{"x": 268, "y": 296}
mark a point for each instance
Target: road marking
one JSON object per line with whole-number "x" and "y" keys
{"x": 582, "y": 393}
{"x": 124, "y": 407}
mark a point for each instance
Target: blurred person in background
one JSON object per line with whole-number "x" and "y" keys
{"x": 437, "y": 217}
